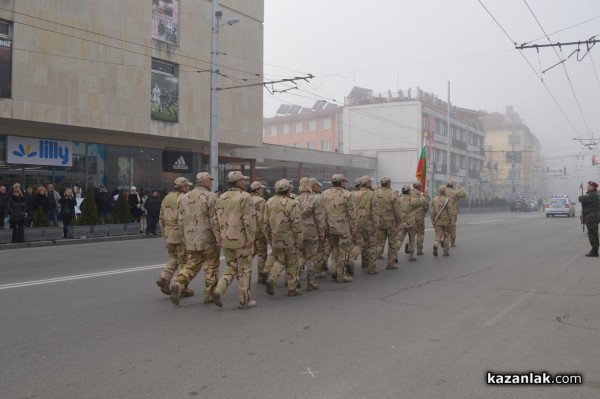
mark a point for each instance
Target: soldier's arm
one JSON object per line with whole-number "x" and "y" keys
{"x": 161, "y": 219}
{"x": 266, "y": 223}
{"x": 319, "y": 215}
{"x": 249, "y": 218}
{"x": 297, "y": 224}
{"x": 214, "y": 223}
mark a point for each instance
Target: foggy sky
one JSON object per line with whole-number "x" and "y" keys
{"x": 396, "y": 44}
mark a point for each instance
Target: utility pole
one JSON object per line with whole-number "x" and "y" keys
{"x": 512, "y": 124}
{"x": 448, "y": 147}
{"x": 214, "y": 116}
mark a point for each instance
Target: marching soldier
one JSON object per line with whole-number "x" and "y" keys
{"x": 234, "y": 225}
{"x": 408, "y": 207}
{"x": 257, "y": 190}
{"x": 173, "y": 235}
{"x": 454, "y": 196}
{"x": 283, "y": 229}
{"x": 390, "y": 216}
{"x": 197, "y": 210}
{"x": 313, "y": 229}
{"x": 367, "y": 220}
{"x": 324, "y": 249}
{"x": 590, "y": 205}
{"x": 339, "y": 214}
{"x": 423, "y": 199}
{"x": 441, "y": 218}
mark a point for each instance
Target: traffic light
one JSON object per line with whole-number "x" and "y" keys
{"x": 593, "y": 160}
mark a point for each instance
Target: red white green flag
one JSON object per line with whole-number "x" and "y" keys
{"x": 421, "y": 173}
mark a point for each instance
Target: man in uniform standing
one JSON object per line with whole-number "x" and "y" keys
{"x": 590, "y": 205}
{"x": 367, "y": 220}
{"x": 441, "y": 218}
{"x": 234, "y": 226}
{"x": 390, "y": 216}
{"x": 339, "y": 214}
{"x": 197, "y": 210}
{"x": 173, "y": 235}
{"x": 408, "y": 209}
{"x": 257, "y": 190}
{"x": 283, "y": 229}
{"x": 423, "y": 199}
{"x": 455, "y": 196}
{"x": 324, "y": 249}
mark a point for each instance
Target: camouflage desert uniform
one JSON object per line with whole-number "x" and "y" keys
{"x": 454, "y": 196}
{"x": 283, "y": 229}
{"x": 172, "y": 233}
{"x": 197, "y": 211}
{"x": 339, "y": 215}
{"x": 367, "y": 222}
{"x": 420, "y": 218}
{"x": 408, "y": 208}
{"x": 313, "y": 229}
{"x": 234, "y": 225}
{"x": 324, "y": 248}
{"x": 260, "y": 241}
{"x": 388, "y": 208}
{"x": 443, "y": 223}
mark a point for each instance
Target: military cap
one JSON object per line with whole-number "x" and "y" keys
{"x": 406, "y": 188}
{"x": 256, "y": 185}
{"x": 338, "y": 177}
{"x": 442, "y": 190}
{"x": 203, "y": 176}
{"x": 283, "y": 185}
{"x": 358, "y": 181}
{"x": 235, "y": 176}
{"x": 179, "y": 182}
{"x": 313, "y": 180}
{"x": 305, "y": 180}
{"x": 365, "y": 180}
{"x": 593, "y": 184}
{"x": 417, "y": 184}
{"x": 450, "y": 184}
{"x": 385, "y": 180}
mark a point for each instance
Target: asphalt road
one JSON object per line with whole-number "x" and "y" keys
{"x": 516, "y": 295}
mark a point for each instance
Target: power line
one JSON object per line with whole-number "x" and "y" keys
{"x": 562, "y": 30}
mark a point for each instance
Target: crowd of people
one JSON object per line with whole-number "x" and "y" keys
{"x": 303, "y": 230}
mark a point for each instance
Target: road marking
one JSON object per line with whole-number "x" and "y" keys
{"x": 487, "y": 221}
{"x": 508, "y": 309}
{"x": 312, "y": 373}
{"x": 531, "y": 216}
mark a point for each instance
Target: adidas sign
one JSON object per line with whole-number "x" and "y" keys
{"x": 180, "y": 164}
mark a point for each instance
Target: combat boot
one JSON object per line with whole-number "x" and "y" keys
{"x": 312, "y": 287}
{"x": 420, "y": 252}
{"x": 593, "y": 253}
{"x": 294, "y": 293}
{"x": 250, "y": 304}
{"x": 262, "y": 278}
{"x": 187, "y": 293}
{"x": 270, "y": 287}
{"x": 391, "y": 267}
{"x": 406, "y": 251}
{"x": 435, "y": 250}
{"x": 344, "y": 279}
{"x": 176, "y": 291}
{"x": 412, "y": 257}
{"x": 374, "y": 271}
{"x": 350, "y": 268}
{"x": 164, "y": 286}
{"x": 446, "y": 254}
{"x": 218, "y": 298}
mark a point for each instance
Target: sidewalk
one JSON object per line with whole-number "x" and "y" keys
{"x": 71, "y": 241}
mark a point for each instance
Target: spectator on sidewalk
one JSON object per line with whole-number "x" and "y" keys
{"x": 67, "y": 205}
{"x": 152, "y": 206}
{"x": 29, "y": 206}
{"x": 3, "y": 204}
{"x": 40, "y": 200}
{"x": 16, "y": 208}
{"x": 135, "y": 204}
{"x": 104, "y": 203}
{"x": 53, "y": 206}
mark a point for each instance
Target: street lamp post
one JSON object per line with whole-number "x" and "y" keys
{"x": 214, "y": 74}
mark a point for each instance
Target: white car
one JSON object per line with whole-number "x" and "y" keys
{"x": 560, "y": 206}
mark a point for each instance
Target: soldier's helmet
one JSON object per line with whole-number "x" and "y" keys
{"x": 256, "y": 185}
{"x": 405, "y": 189}
{"x": 417, "y": 184}
{"x": 203, "y": 176}
{"x": 235, "y": 176}
{"x": 305, "y": 184}
{"x": 282, "y": 186}
{"x": 365, "y": 180}
{"x": 338, "y": 177}
{"x": 442, "y": 190}
{"x": 385, "y": 180}
{"x": 450, "y": 184}
{"x": 358, "y": 182}
{"x": 180, "y": 182}
{"x": 313, "y": 180}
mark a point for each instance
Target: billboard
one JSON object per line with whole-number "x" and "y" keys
{"x": 177, "y": 161}
{"x": 5, "y": 68}
{"x": 164, "y": 97}
{"x": 165, "y": 21}
{"x": 32, "y": 151}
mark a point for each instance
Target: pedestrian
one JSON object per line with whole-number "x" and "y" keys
{"x": 3, "y": 204}
{"x": 67, "y": 209}
{"x": 590, "y": 208}
{"x": 257, "y": 190}
{"x": 441, "y": 218}
{"x": 17, "y": 210}
{"x": 455, "y": 196}
{"x": 196, "y": 211}
{"x": 40, "y": 201}
{"x": 234, "y": 225}
{"x": 324, "y": 249}
{"x": 390, "y": 217}
{"x": 408, "y": 208}
{"x": 152, "y": 207}
{"x": 104, "y": 203}
{"x": 144, "y": 215}
{"x": 173, "y": 235}
{"x": 339, "y": 214}
{"x": 423, "y": 201}
{"x": 134, "y": 201}
{"x": 53, "y": 206}
{"x": 367, "y": 224}
{"x": 29, "y": 206}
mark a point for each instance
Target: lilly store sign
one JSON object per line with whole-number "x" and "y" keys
{"x": 31, "y": 151}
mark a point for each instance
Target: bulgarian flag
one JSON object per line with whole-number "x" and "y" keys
{"x": 421, "y": 173}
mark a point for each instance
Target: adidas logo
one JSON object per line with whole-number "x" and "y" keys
{"x": 180, "y": 164}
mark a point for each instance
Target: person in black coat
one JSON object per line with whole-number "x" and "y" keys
{"x": 29, "y": 206}
{"x": 152, "y": 206}
{"x": 40, "y": 200}
{"x": 104, "y": 203}
{"x": 135, "y": 204}
{"x": 67, "y": 209}
{"x": 3, "y": 204}
{"x": 16, "y": 208}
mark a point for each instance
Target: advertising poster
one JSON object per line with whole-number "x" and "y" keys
{"x": 164, "y": 97}
{"x": 5, "y": 68}
{"x": 165, "y": 21}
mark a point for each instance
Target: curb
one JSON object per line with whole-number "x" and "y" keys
{"x": 70, "y": 241}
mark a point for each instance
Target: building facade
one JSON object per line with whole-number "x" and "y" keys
{"x": 123, "y": 88}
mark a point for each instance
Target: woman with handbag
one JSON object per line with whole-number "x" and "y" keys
{"x": 67, "y": 209}
{"x": 17, "y": 210}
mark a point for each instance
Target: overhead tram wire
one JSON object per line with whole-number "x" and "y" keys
{"x": 532, "y": 68}
{"x": 562, "y": 30}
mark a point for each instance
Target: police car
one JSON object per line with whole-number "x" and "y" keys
{"x": 560, "y": 205}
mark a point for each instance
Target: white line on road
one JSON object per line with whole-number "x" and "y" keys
{"x": 531, "y": 216}
{"x": 508, "y": 309}
{"x": 487, "y": 221}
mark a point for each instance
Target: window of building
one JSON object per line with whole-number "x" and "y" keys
{"x": 325, "y": 145}
{"x": 4, "y": 29}
{"x": 298, "y": 127}
{"x": 312, "y": 125}
{"x": 285, "y": 128}
{"x": 514, "y": 139}
{"x": 310, "y": 145}
{"x": 326, "y": 123}
{"x": 164, "y": 91}
{"x": 273, "y": 130}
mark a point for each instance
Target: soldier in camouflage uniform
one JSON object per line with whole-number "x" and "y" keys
{"x": 340, "y": 215}
{"x": 417, "y": 192}
{"x": 313, "y": 229}
{"x": 390, "y": 216}
{"x": 441, "y": 218}
{"x": 455, "y": 196}
{"x": 197, "y": 211}
{"x": 324, "y": 249}
{"x": 590, "y": 205}
{"x": 234, "y": 226}
{"x": 283, "y": 228}
{"x": 408, "y": 208}
{"x": 257, "y": 190}
{"x": 173, "y": 235}
{"x": 367, "y": 225}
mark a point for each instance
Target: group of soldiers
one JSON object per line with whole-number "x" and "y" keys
{"x": 303, "y": 231}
